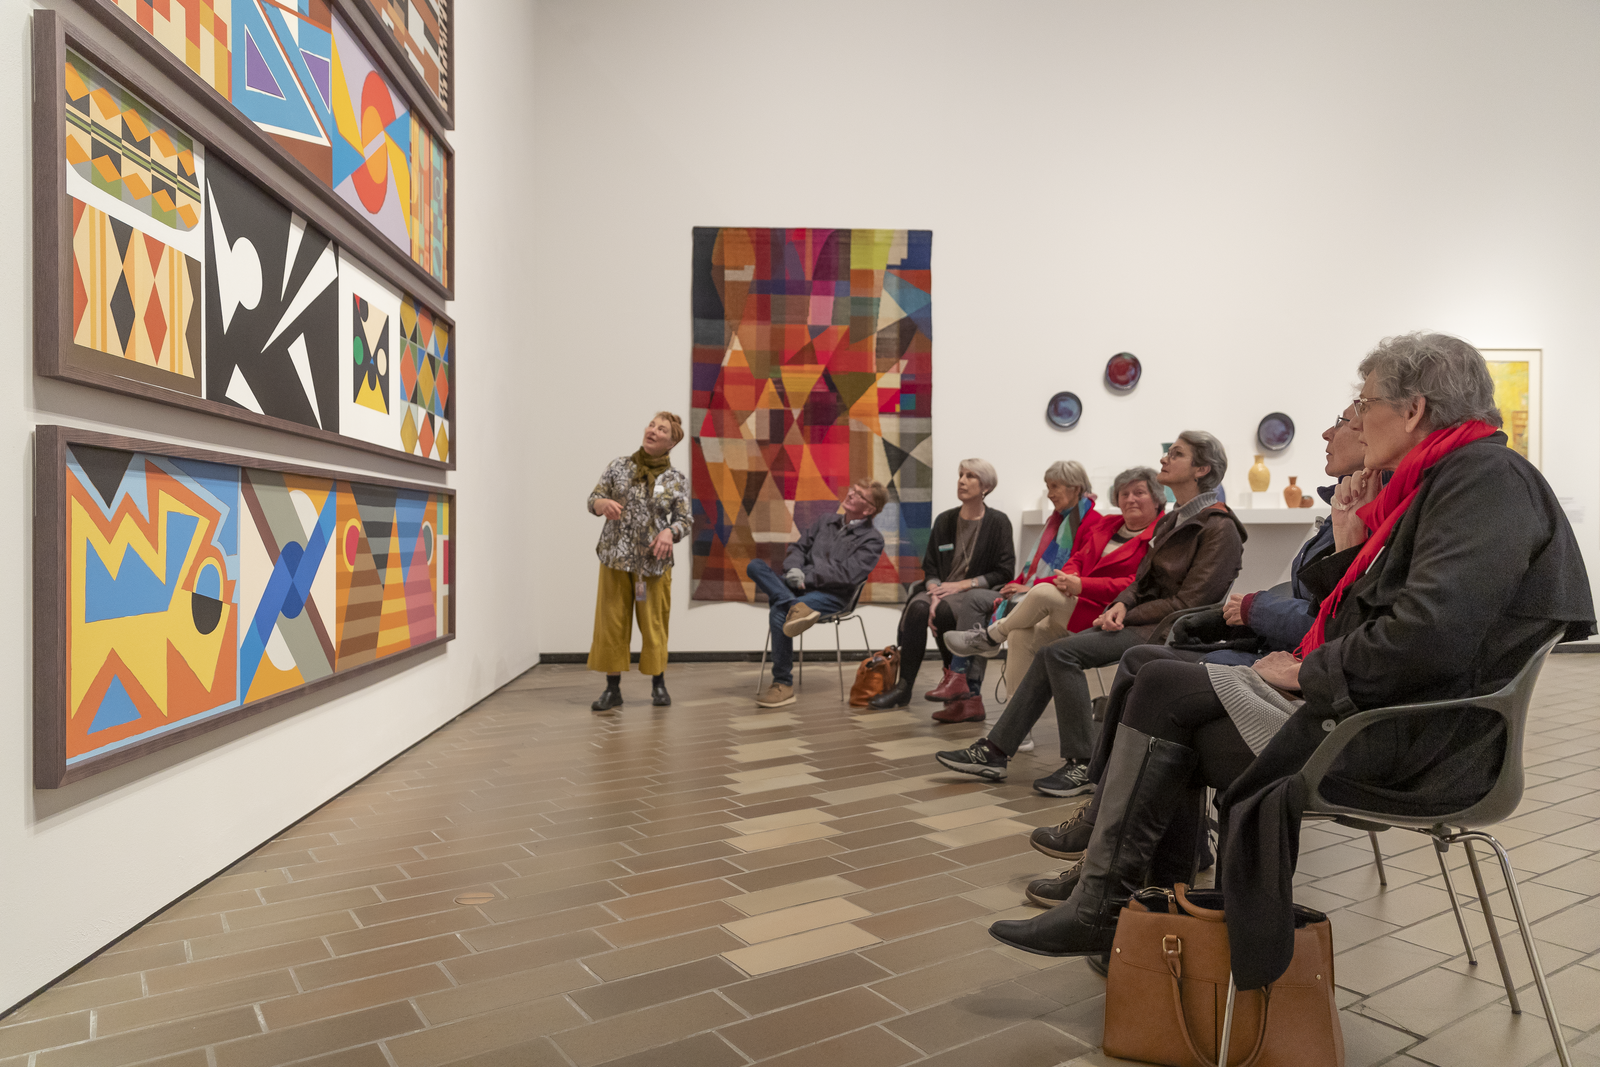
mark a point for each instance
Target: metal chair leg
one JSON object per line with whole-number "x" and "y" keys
{"x": 866, "y": 642}
{"x": 1455, "y": 905}
{"x": 838, "y": 659}
{"x": 800, "y": 674}
{"x": 1494, "y": 928}
{"x": 1527, "y": 943}
{"x": 763, "y": 668}
{"x": 1383, "y": 875}
{"x": 1227, "y": 1024}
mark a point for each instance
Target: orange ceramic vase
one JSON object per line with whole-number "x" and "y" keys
{"x": 1292, "y": 493}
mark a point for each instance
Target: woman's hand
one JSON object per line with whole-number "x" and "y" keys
{"x": 1012, "y": 589}
{"x": 1233, "y": 610}
{"x": 1281, "y": 669}
{"x": 610, "y": 510}
{"x": 1070, "y": 584}
{"x": 1110, "y": 621}
{"x": 1354, "y": 492}
{"x": 661, "y": 547}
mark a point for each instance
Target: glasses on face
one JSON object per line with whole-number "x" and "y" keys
{"x": 1340, "y": 421}
{"x": 1362, "y": 403}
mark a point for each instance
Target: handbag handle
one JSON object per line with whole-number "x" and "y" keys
{"x": 1210, "y": 915}
{"x": 1172, "y": 950}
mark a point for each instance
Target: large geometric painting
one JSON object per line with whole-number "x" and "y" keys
{"x": 424, "y": 382}
{"x": 422, "y": 28}
{"x": 282, "y": 76}
{"x": 272, "y": 306}
{"x": 372, "y": 141}
{"x": 195, "y": 31}
{"x": 811, "y": 370}
{"x": 196, "y": 587}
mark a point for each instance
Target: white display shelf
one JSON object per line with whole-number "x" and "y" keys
{"x": 1248, "y": 516}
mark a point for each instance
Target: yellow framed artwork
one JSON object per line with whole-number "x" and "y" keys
{"x": 1517, "y": 392}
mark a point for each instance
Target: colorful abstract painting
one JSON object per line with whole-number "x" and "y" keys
{"x": 282, "y": 75}
{"x": 195, "y": 31}
{"x": 372, "y": 141}
{"x": 428, "y": 221}
{"x": 1516, "y": 374}
{"x": 811, "y": 370}
{"x": 370, "y": 355}
{"x": 422, "y": 27}
{"x": 194, "y": 587}
{"x": 424, "y": 383}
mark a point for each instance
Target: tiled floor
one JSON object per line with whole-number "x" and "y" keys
{"x": 713, "y": 885}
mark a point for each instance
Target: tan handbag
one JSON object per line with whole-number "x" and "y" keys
{"x": 1167, "y": 989}
{"x": 877, "y": 674}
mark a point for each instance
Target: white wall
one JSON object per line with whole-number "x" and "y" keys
{"x": 1245, "y": 195}
{"x": 80, "y": 865}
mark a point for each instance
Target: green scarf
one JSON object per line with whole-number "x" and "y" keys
{"x": 646, "y": 467}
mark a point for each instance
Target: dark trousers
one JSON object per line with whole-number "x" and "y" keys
{"x": 781, "y": 598}
{"x": 913, "y": 636}
{"x": 1057, "y": 674}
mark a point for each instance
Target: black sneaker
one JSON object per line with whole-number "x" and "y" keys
{"x": 979, "y": 759}
{"x": 1048, "y": 892}
{"x": 1070, "y": 781}
{"x": 1069, "y": 841}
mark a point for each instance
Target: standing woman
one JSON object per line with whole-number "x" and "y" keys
{"x": 645, "y": 503}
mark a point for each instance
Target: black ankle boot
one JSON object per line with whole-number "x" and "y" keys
{"x": 612, "y": 697}
{"x": 897, "y": 695}
{"x": 1143, "y": 781}
{"x": 658, "y": 692}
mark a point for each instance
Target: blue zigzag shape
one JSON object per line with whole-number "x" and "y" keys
{"x": 136, "y": 590}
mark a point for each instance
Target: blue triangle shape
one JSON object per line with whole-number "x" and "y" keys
{"x": 115, "y": 709}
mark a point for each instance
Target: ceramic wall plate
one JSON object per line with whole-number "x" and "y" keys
{"x": 1122, "y": 372}
{"x": 1275, "y": 432}
{"x": 1064, "y": 410}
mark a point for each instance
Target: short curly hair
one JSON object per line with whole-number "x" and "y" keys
{"x": 1446, "y": 371}
{"x": 674, "y": 422}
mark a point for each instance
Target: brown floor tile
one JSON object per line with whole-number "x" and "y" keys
{"x": 309, "y": 1039}
{"x": 258, "y": 914}
{"x": 363, "y": 1056}
{"x": 956, "y": 1022}
{"x": 109, "y": 965}
{"x": 160, "y": 933}
{"x": 872, "y": 1047}
{"x": 1029, "y": 1044}
{"x": 900, "y": 871}
{"x": 671, "y": 983}
{"x": 671, "y": 899}
{"x": 624, "y": 1035}
{"x": 953, "y": 978}
{"x": 789, "y": 873}
{"x": 482, "y": 965}
{"x": 805, "y": 982}
{"x": 910, "y": 848}
{"x": 465, "y": 878}
{"x": 785, "y": 854}
{"x": 685, "y": 948}
{"x": 227, "y": 944}
{"x": 153, "y": 1041}
{"x": 703, "y": 1050}
{"x": 353, "y": 996}
{"x": 316, "y": 884}
{"x": 539, "y": 1052}
{"x": 492, "y": 994}
{"x": 200, "y": 1000}
{"x": 806, "y": 1023}
{"x": 673, "y": 876}
{"x": 44, "y": 1033}
{"x": 679, "y": 857}
{"x": 929, "y": 948}
{"x": 379, "y": 961}
{"x": 484, "y": 1033}
{"x": 668, "y": 923}
{"x": 904, "y": 894}
{"x": 503, "y": 934}
{"x": 65, "y": 999}
{"x": 929, "y": 916}
{"x": 415, "y": 929}
{"x": 255, "y": 961}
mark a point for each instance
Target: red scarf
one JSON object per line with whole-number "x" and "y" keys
{"x": 1384, "y": 513}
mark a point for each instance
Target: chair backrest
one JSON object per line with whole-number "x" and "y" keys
{"x": 1172, "y": 617}
{"x": 849, "y": 606}
{"x": 1511, "y": 702}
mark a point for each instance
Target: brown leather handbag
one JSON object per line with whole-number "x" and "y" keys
{"x": 1167, "y": 989}
{"x": 877, "y": 673}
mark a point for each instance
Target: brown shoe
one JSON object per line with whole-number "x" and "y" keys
{"x": 776, "y": 696}
{"x": 1069, "y": 841}
{"x": 952, "y": 686}
{"x": 968, "y": 709}
{"x": 800, "y": 618}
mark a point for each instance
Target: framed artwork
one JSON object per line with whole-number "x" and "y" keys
{"x": 812, "y": 369}
{"x": 417, "y": 34}
{"x": 1518, "y": 388}
{"x": 166, "y": 273}
{"x": 313, "y": 84}
{"x": 177, "y": 589}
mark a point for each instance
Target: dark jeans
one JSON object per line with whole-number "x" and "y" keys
{"x": 1057, "y": 673}
{"x": 781, "y": 598}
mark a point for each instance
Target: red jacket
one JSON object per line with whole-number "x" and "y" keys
{"x": 1103, "y": 577}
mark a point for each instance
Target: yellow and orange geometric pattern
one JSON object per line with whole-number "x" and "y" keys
{"x": 132, "y": 295}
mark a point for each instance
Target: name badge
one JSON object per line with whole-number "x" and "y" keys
{"x": 947, "y": 548}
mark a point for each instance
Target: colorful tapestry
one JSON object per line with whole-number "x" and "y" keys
{"x": 423, "y": 29}
{"x": 132, "y": 296}
{"x": 811, "y": 370}
{"x": 282, "y": 76}
{"x": 372, "y": 141}
{"x": 424, "y": 383}
{"x": 198, "y": 587}
{"x": 195, "y": 31}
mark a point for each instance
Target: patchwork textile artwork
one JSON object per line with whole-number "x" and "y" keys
{"x": 282, "y": 76}
{"x": 272, "y": 312}
{"x": 812, "y": 369}
{"x": 423, "y": 29}
{"x": 195, "y": 587}
{"x": 195, "y": 31}
{"x": 372, "y": 141}
{"x": 424, "y": 382}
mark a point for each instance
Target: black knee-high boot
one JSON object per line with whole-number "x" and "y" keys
{"x": 1146, "y": 778}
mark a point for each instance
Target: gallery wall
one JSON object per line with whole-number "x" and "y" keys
{"x": 1245, "y": 195}
{"x": 84, "y": 863}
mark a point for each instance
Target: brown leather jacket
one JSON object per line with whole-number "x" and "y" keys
{"x": 1193, "y": 565}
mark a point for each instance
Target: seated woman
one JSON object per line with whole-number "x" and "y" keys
{"x": 1109, "y": 549}
{"x": 1444, "y": 583}
{"x": 969, "y": 557}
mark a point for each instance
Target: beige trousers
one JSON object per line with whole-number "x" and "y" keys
{"x": 1039, "y": 618}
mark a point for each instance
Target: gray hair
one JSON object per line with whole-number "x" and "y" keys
{"x": 1208, "y": 452}
{"x": 1133, "y": 475}
{"x": 1070, "y": 473}
{"x": 1446, "y": 371}
{"x": 984, "y": 470}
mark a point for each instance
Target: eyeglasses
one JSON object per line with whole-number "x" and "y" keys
{"x": 1362, "y": 403}
{"x": 1340, "y": 421}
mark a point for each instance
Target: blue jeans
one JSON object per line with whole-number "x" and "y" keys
{"x": 782, "y": 598}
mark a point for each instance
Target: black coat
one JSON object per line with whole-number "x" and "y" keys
{"x": 994, "y": 557}
{"x": 1480, "y": 571}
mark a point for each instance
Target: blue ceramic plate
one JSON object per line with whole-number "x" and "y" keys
{"x": 1064, "y": 410}
{"x": 1275, "y": 432}
{"x": 1122, "y": 372}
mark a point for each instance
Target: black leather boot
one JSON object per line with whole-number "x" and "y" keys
{"x": 897, "y": 695}
{"x": 658, "y": 692}
{"x": 612, "y": 697}
{"x": 1145, "y": 779}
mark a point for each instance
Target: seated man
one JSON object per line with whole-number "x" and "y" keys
{"x": 820, "y": 572}
{"x": 1195, "y": 554}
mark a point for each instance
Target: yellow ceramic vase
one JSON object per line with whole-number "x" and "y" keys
{"x": 1259, "y": 476}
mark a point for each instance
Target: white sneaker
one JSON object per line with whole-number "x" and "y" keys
{"x": 1026, "y": 746}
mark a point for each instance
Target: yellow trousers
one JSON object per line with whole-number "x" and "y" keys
{"x": 614, "y": 608}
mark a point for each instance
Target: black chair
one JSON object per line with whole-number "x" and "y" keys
{"x": 838, "y": 618}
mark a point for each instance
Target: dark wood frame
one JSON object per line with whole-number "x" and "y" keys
{"x": 50, "y": 600}
{"x": 381, "y": 42}
{"x": 332, "y": 214}
{"x": 52, "y": 242}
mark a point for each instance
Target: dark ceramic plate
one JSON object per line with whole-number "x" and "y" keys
{"x": 1275, "y": 432}
{"x": 1064, "y": 410}
{"x": 1122, "y": 372}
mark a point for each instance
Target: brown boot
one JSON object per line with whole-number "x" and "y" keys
{"x": 967, "y": 709}
{"x": 952, "y": 686}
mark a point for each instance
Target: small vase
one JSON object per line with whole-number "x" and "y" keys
{"x": 1292, "y": 493}
{"x": 1259, "y": 476}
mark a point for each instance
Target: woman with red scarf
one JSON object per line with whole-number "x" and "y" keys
{"x": 1444, "y": 581}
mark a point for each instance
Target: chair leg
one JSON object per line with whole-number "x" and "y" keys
{"x": 1527, "y": 943}
{"x": 800, "y": 673}
{"x": 1383, "y": 875}
{"x": 838, "y": 659}
{"x": 1455, "y": 904}
{"x": 1494, "y": 928}
{"x": 763, "y": 668}
{"x": 865, "y": 642}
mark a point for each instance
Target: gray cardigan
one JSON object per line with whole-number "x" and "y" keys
{"x": 834, "y": 557}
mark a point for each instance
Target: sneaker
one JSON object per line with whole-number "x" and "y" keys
{"x": 800, "y": 619}
{"x": 967, "y": 709}
{"x": 1069, "y": 841}
{"x": 978, "y": 759}
{"x": 1048, "y": 892}
{"x": 973, "y": 642}
{"x": 1026, "y": 746}
{"x": 1070, "y": 781}
{"x": 776, "y": 696}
